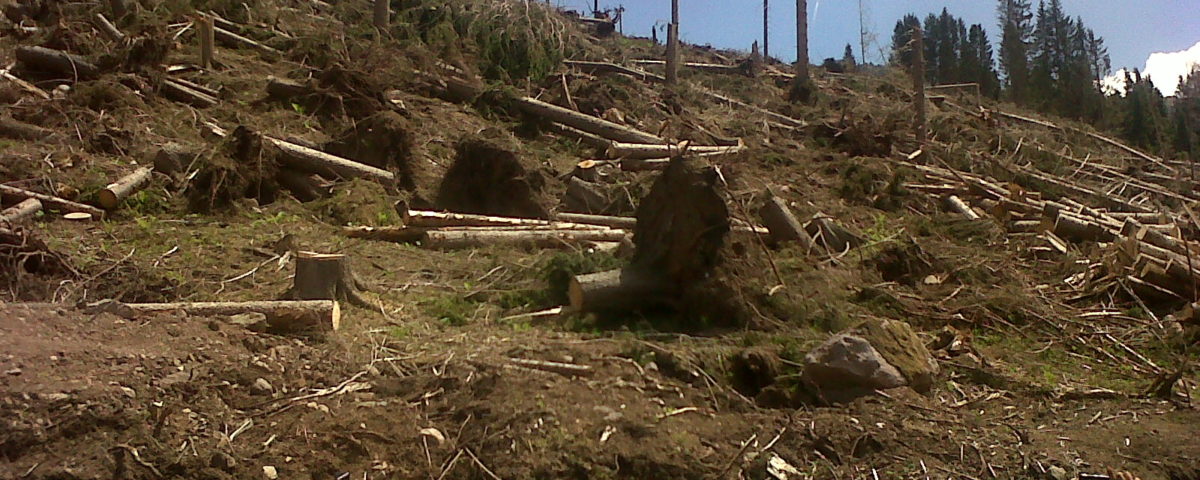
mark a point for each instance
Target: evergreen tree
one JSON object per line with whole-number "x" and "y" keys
{"x": 1016, "y": 29}
{"x": 848, "y": 61}
{"x": 901, "y": 36}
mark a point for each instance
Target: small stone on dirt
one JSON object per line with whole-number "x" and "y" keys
{"x": 222, "y": 461}
{"x": 262, "y": 387}
{"x": 14, "y": 372}
{"x": 1057, "y": 473}
{"x": 270, "y": 473}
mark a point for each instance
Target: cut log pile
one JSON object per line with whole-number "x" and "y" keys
{"x": 1139, "y": 247}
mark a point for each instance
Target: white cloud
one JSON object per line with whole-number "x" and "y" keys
{"x": 1163, "y": 68}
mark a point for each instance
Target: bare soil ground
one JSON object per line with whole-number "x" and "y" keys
{"x": 1040, "y": 371}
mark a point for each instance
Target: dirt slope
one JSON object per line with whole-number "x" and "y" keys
{"x": 1045, "y": 368}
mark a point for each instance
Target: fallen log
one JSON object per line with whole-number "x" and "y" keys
{"x": 644, "y": 151}
{"x": 829, "y": 233}
{"x": 1119, "y": 145}
{"x": 316, "y": 161}
{"x": 587, "y": 123}
{"x": 565, "y": 369}
{"x": 21, "y": 211}
{"x": 57, "y": 61}
{"x": 460, "y": 238}
{"x": 197, "y": 87}
{"x": 285, "y": 89}
{"x": 622, "y": 289}
{"x": 112, "y": 195}
{"x": 51, "y": 201}
{"x": 173, "y": 158}
{"x": 1077, "y": 229}
{"x": 430, "y": 219}
{"x": 782, "y": 224}
{"x": 325, "y": 276}
{"x": 305, "y": 187}
{"x": 706, "y": 67}
{"x": 625, "y": 223}
{"x": 291, "y": 315}
{"x": 1024, "y": 226}
{"x": 18, "y": 130}
{"x": 585, "y": 138}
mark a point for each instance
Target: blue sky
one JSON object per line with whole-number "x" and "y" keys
{"x": 1132, "y": 29}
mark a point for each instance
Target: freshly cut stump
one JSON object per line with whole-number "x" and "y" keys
{"x": 325, "y": 276}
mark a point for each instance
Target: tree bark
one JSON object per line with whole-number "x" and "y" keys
{"x": 112, "y": 195}
{"x": 234, "y": 40}
{"x": 51, "y": 201}
{"x": 639, "y": 151}
{"x": 382, "y": 15}
{"x": 56, "y": 61}
{"x": 324, "y": 276}
{"x": 173, "y": 158}
{"x": 615, "y": 290}
{"x": 782, "y": 224}
{"x": 21, "y": 211}
{"x": 324, "y": 315}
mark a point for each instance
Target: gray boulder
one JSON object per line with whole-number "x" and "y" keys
{"x": 846, "y": 367}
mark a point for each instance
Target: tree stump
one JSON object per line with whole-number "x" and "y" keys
{"x": 325, "y": 276}
{"x": 782, "y": 224}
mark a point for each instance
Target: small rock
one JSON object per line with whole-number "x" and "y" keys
{"x": 129, "y": 392}
{"x": 1057, "y": 473}
{"x": 847, "y": 366}
{"x": 14, "y": 372}
{"x": 270, "y": 473}
{"x": 56, "y": 397}
{"x": 222, "y": 461}
{"x": 262, "y": 387}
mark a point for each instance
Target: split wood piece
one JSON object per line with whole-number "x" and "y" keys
{"x": 57, "y": 61}
{"x": 832, "y": 235}
{"x": 782, "y": 223}
{"x": 705, "y": 67}
{"x": 616, "y": 290}
{"x": 234, "y": 40}
{"x": 182, "y": 93}
{"x": 565, "y": 369}
{"x": 108, "y": 29}
{"x": 316, "y": 161}
{"x": 29, "y": 87}
{"x": 290, "y": 315}
{"x": 603, "y": 67}
{"x": 958, "y": 205}
{"x": 21, "y": 211}
{"x": 112, "y": 195}
{"x": 462, "y": 238}
{"x": 644, "y": 151}
{"x": 585, "y": 197}
{"x": 52, "y": 202}
{"x": 325, "y": 276}
{"x": 18, "y": 130}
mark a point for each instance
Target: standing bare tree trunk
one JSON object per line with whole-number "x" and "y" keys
{"x": 673, "y": 45}
{"x": 207, "y": 36}
{"x": 918, "y": 74}
{"x": 382, "y": 14}
{"x": 802, "y": 39}
{"x": 766, "y": 29}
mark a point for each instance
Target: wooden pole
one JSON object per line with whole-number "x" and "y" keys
{"x": 673, "y": 45}
{"x": 918, "y": 74}
{"x": 382, "y": 14}
{"x": 207, "y": 36}
{"x": 802, "y": 38}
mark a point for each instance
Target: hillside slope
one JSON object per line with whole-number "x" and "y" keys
{"x": 1059, "y": 327}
